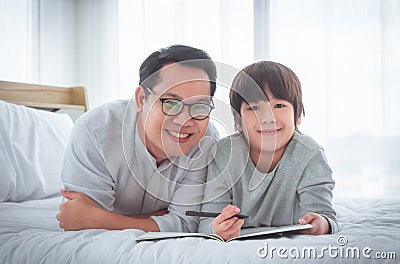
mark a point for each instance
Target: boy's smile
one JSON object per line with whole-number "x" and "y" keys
{"x": 269, "y": 131}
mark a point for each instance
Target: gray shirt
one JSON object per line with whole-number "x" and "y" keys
{"x": 301, "y": 182}
{"x": 106, "y": 160}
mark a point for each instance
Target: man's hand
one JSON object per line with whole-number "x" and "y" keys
{"x": 227, "y": 226}
{"x": 320, "y": 224}
{"x": 80, "y": 212}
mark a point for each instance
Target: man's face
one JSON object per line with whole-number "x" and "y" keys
{"x": 165, "y": 136}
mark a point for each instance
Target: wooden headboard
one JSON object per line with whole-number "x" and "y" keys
{"x": 44, "y": 96}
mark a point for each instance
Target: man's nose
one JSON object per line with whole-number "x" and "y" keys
{"x": 184, "y": 118}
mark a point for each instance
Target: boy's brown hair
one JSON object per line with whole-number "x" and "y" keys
{"x": 251, "y": 83}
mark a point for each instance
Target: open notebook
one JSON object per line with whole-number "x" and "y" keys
{"x": 245, "y": 233}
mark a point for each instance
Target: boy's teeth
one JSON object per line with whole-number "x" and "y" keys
{"x": 178, "y": 135}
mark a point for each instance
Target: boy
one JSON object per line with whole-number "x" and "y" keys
{"x": 269, "y": 170}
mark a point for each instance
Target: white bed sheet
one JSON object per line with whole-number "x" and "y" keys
{"x": 29, "y": 233}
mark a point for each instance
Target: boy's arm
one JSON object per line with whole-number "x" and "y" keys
{"x": 217, "y": 196}
{"x": 315, "y": 189}
{"x": 320, "y": 224}
{"x": 187, "y": 196}
{"x": 189, "y": 192}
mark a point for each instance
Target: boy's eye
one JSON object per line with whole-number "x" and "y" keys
{"x": 279, "y": 106}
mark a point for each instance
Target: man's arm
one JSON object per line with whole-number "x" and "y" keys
{"x": 85, "y": 172}
{"x": 81, "y": 212}
{"x": 145, "y": 216}
{"x": 84, "y": 169}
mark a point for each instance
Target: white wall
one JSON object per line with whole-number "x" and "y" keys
{"x": 15, "y": 40}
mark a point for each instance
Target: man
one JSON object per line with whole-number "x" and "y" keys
{"x": 140, "y": 164}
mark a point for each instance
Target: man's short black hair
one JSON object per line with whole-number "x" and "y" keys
{"x": 186, "y": 55}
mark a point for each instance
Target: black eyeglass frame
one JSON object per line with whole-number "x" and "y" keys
{"x": 211, "y": 106}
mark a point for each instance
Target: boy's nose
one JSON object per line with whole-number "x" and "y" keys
{"x": 266, "y": 116}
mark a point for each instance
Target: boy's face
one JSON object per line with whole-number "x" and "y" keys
{"x": 165, "y": 136}
{"x": 267, "y": 126}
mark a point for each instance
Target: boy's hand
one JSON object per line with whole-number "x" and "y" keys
{"x": 227, "y": 226}
{"x": 320, "y": 224}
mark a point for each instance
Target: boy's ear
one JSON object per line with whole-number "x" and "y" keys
{"x": 139, "y": 98}
{"x": 238, "y": 123}
{"x": 298, "y": 122}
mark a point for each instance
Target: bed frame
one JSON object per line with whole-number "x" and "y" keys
{"x": 44, "y": 96}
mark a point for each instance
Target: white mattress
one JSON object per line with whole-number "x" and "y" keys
{"x": 29, "y": 233}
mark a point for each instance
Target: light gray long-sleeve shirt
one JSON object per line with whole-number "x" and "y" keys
{"x": 106, "y": 160}
{"x": 300, "y": 183}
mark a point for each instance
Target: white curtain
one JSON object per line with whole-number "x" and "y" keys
{"x": 38, "y": 42}
{"x": 347, "y": 56}
{"x": 100, "y": 44}
{"x": 15, "y": 53}
{"x": 223, "y": 28}
{"x": 97, "y": 51}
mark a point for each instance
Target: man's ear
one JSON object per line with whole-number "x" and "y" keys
{"x": 139, "y": 98}
{"x": 238, "y": 127}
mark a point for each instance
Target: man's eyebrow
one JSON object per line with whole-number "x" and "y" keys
{"x": 205, "y": 99}
{"x": 172, "y": 95}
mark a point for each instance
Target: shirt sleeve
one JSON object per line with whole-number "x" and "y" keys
{"x": 191, "y": 191}
{"x": 217, "y": 196}
{"x": 191, "y": 187}
{"x": 84, "y": 169}
{"x": 315, "y": 189}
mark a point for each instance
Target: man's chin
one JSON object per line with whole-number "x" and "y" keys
{"x": 173, "y": 152}
{"x": 173, "y": 148}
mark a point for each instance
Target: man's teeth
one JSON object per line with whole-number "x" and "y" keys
{"x": 178, "y": 135}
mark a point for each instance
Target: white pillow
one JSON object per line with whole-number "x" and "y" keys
{"x": 32, "y": 145}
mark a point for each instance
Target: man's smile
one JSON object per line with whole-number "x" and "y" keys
{"x": 178, "y": 136}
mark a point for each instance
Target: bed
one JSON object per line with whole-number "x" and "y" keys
{"x": 32, "y": 143}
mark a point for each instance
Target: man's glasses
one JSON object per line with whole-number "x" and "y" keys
{"x": 173, "y": 107}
